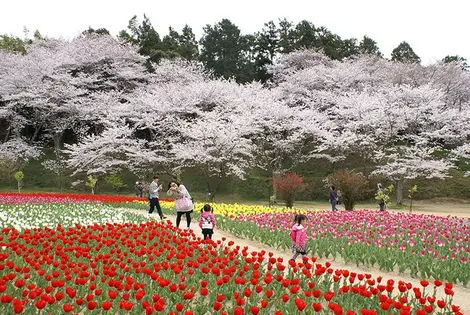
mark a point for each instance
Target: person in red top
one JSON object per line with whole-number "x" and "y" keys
{"x": 207, "y": 222}
{"x": 298, "y": 236}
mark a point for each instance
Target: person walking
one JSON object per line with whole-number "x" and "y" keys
{"x": 207, "y": 222}
{"x": 139, "y": 187}
{"x": 298, "y": 236}
{"x": 183, "y": 202}
{"x": 333, "y": 198}
{"x": 154, "y": 202}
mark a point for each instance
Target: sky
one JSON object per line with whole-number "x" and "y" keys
{"x": 433, "y": 28}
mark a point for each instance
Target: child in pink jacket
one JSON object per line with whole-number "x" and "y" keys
{"x": 207, "y": 222}
{"x": 298, "y": 236}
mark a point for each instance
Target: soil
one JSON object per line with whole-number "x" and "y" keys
{"x": 461, "y": 297}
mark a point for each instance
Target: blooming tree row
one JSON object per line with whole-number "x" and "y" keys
{"x": 115, "y": 110}
{"x": 404, "y": 118}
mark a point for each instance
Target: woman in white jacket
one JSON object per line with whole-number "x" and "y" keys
{"x": 183, "y": 202}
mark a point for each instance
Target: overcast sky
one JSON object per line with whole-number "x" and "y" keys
{"x": 433, "y": 28}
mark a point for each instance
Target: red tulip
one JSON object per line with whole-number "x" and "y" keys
{"x": 301, "y": 305}
{"x": 67, "y": 308}
{"x": 441, "y": 303}
{"x": 238, "y": 311}
{"x": 179, "y": 307}
{"x": 285, "y": 298}
{"x": 217, "y": 306}
{"x": 106, "y": 305}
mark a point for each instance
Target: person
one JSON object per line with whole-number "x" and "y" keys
{"x": 333, "y": 198}
{"x": 154, "y": 202}
{"x": 183, "y": 202}
{"x": 207, "y": 222}
{"x": 298, "y": 236}
{"x": 381, "y": 191}
{"x": 139, "y": 187}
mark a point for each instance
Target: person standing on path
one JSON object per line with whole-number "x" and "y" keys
{"x": 183, "y": 202}
{"x": 154, "y": 188}
{"x": 333, "y": 198}
{"x": 207, "y": 222}
{"x": 299, "y": 236}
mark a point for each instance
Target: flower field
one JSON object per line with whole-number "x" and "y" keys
{"x": 29, "y": 216}
{"x": 424, "y": 246}
{"x": 88, "y": 258}
{"x": 15, "y": 198}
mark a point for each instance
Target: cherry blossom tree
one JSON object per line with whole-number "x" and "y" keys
{"x": 175, "y": 90}
{"x": 463, "y": 152}
{"x": 48, "y": 86}
{"x": 103, "y": 154}
{"x": 210, "y": 126}
{"x": 401, "y": 117}
{"x": 15, "y": 154}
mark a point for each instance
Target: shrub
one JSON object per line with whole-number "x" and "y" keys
{"x": 287, "y": 186}
{"x": 412, "y": 191}
{"x": 384, "y": 195}
{"x": 352, "y": 185}
{"x": 19, "y": 176}
{"x": 91, "y": 182}
{"x": 116, "y": 181}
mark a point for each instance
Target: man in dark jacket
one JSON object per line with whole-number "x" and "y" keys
{"x": 333, "y": 198}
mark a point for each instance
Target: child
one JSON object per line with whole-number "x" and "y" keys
{"x": 207, "y": 222}
{"x": 298, "y": 236}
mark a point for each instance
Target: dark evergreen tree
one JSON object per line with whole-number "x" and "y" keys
{"x": 404, "y": 53}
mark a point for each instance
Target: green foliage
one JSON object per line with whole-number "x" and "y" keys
{"x": 457, "y": 59}
{"x": 116, "y": 182}
{"x": 272, "y": 200}
{"x": 265, "y": 49}
{"x": 12, "y": 43}
{"x": 404, "y": 53}
{"x": 257, "y": 185}
{"x": 19, "y": 176}
{"x": 286, "y": 36}
{"x": 253, "y": 187}
{"x": 171, "y": 46}
{"x": 369, "y": 46}
{"x": 384, "y": 195}
{"x": 98, "y": 31}
{"x": 412, "y": 192}
{"x": 230, "y": 54}
{"x": 91, "y": 183}
{"x": 223, "y": 48}
{"x": 181, "y": 46}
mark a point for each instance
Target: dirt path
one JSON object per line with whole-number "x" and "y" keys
{"x": 461, "y": 297}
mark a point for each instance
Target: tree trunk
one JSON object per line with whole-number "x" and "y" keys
{"x": 276, "y": 173}
{"x": 399, "y": 192}
{"x": 57, "y": 142}
{"x": 36, "y": 133}
{"x": 213, "y": 192}
{"x": 7, "y": 134}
